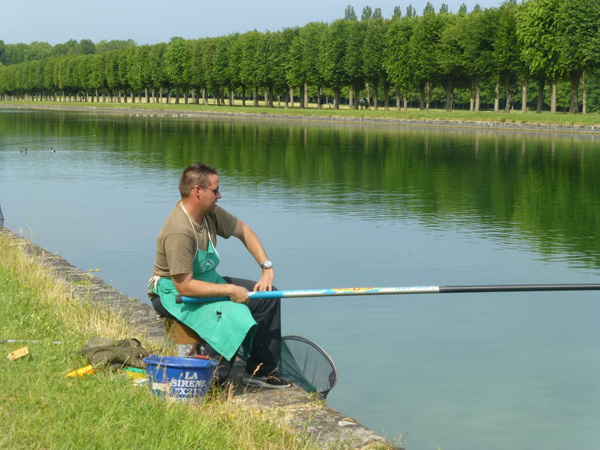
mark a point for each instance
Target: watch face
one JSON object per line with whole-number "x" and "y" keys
{"x": 267, "y": 265}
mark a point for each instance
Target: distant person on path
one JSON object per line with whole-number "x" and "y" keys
{"x": 185, "y": 264}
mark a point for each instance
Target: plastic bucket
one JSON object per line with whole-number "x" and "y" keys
{"x": 179, "y": 379}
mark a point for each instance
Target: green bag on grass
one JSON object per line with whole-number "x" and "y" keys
{"x": 103, "y": 352}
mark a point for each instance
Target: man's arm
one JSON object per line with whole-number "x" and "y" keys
{"x": 187, "y": 286}
{"x": 249, "y": 238}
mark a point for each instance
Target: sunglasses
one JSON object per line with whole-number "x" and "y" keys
{"x": 214, "y": 191}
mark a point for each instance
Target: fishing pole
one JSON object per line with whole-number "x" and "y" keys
{"x": 400, "y": 290}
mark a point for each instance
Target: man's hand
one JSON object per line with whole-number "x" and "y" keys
{"x": 238, "y": 294}
{"x": 266, "y": 281}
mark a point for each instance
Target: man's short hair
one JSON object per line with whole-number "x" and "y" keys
{"x": 195, "y": 174}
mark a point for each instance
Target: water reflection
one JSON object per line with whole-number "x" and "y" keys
{"x": 542, "y": 186}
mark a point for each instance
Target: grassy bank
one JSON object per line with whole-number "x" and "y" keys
{"x": 41, "y": 408}
{"x": 514, "y": 117}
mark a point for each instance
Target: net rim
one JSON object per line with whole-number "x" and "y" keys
{"x": 293, "y": 337}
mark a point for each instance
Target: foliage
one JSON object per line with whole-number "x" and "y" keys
{"x": 467, "y": 55}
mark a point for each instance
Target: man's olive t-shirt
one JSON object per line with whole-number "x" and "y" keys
{"x": 176, "y": 241}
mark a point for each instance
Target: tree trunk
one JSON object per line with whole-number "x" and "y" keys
{"x": 524, "y": 97}
{"x": 292, "y": 96}
{"x": 351, "y": 98}
{"x": 508, "y": 105}
{"x": 255, "y": 95}
{"x": 376, "y": 96}
{"x": 305, "y": 96}
{"x": 243, "y": 95}
{"x": 583, "y": 95}
{"x": 231, "y": 96}
{"x": 386, "y": 95}
{"x": 497, "y": 98}
{"x": 540, "y": 103}
{"x": 422, "y": 97}
{"x": 356, "y": 90}
{"x": 205, "y": 95}
{"x": 477, "y": 95}
{"x": 575, "y": 77}
{"x": 319, "y": 93}
{"x": 336, "y": 98}
{"x": 553, "y": 99}
{"x": 449, "y": 95}
{"x": 472, "y": 100}
{"x": 398, "y": 96}
{"x": 132, "y": 97}
{"x": 429, "y": 94}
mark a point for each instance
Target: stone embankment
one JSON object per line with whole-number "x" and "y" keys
{"x": 308, "y": 117}
{"x": 326, "y": 427}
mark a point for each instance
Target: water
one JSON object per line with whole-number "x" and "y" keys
{"x": 345, "y": 206}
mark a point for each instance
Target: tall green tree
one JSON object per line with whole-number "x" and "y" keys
{"x": 423, "y": 44}
{"x": 139, "y": 74}
{"x": 177, "y": 66}
{"x": 303, "y": 59}
{"x": 477, "y": 40}
{"x": 507, "y": 50}
{"x": 251, "y": 61}
{"x": 579, "y": 42}
{"x": 373, "y": 50}
{"x": 349, "y": 13}
{"x": 397, "y": 56}
{"x": 223, "y": 73}
{"x": 353, "y": 59}
{"x": 332, "y": 54}
{"x": 158, "y": 75}
{"x": 98, "y": 76}
{"x": 198, "y": 75}
{"x": 538, "y": 32}
{"x": 367, "y": 13}
{"x": 449, "y": 56}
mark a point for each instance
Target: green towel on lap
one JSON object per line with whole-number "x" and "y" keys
{"x": 225, "y": 325}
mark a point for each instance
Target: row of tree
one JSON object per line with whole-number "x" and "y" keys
{"x": 21, "y": 52}
{"x": 508, "y": 48}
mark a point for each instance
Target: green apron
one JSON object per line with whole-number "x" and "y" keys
{"x": 225, "y": 325}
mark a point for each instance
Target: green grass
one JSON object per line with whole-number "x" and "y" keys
{"x": 42, "y": 409}
{"x": 531, "y": 117}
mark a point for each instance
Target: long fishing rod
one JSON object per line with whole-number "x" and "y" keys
{"x": 400, "y": 290}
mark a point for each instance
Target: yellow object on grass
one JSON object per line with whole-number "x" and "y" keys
{"x": 87, "y": 370}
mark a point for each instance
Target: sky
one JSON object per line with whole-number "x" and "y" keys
{"x": 153, "y": 21}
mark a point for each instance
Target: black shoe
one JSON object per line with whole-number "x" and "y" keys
{"x": 269, "y": 382}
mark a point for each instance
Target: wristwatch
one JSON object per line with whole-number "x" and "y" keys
{"x": 267, "y": 265}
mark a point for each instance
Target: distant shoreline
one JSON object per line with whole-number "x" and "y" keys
{"x": 146, "y": 110}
